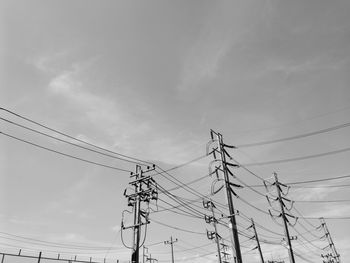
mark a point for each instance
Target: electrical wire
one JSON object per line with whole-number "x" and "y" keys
{"x": 177, "y": 228}
{"x": 189, "y": 183}
{"x": 310, "y": 181}
{"x": 323, "y": 186}
{"x": 73, "y": 138}
{"x": 337, "y": 127}
{"x": 52, "y": 244}
{"x": 187, "y": 188}
{"x": 63, "y": 154}
{"x": 68, "y": 142}
{"x": 174, "y": 198}
{"x": 298, "y": 158}
{"x": 322, "y": 201}
{"x": 56, "y": 243}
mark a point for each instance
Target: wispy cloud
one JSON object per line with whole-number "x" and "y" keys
{"x": 203, "y": 59}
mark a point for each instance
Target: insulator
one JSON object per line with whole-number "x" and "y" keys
{"x": 207, "y": 219}
{"x": 206, "y": 204}
{"x": 131, "y": 201}
{"x": 154, "y": 195}
{"x": 210, "y": 234}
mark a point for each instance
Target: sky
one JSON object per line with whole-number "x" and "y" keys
{"x": 149, "y": 79}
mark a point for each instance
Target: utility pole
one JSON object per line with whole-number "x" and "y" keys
{"x": 225, "y": 170}
{"x": 143, "y": 254}
{"x": 212, "y": 219}
{"x": 150, "y": 259}
{"x": 286, "y": 232}
{"x": 334, "y": 255}
{"x": 257, "y": 241}
{"x": 144, "y": 191}
{"x": 171, "y": 242}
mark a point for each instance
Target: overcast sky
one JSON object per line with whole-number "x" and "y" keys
{"x": 150, "y": 79}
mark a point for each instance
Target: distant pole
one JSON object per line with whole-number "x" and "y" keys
{"x": 39, "y": 258}
{"x": 257, "y": 240}
{"x": 286, "y": 232}
{"x": 334, "y": 253}
{"x": 143, "y": 254}
{"x": 171, "y": 242}
{"x": 3, "y": 257}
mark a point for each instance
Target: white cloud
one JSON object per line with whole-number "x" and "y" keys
{"x": 203, "y": 59}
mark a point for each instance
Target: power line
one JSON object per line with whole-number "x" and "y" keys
{"x": 68, "y": 142}
{"x": 73, "y": 138}
{"x": 323, "y": 186}
{"x": 311, "y": 181}
{"x": 337, "y": 127}
{"x": 335, "y": 218}
{"x": 178, "y": 228}
{"x": 322, "y": 201}
{"x": 52, "y": 244}
{"x": 187, "y": 163}
{"x": 320, "y": 180}
{"x": 298, "y": 158}
{"x": 63, "y": 154}
{"x": 297, "y": 122}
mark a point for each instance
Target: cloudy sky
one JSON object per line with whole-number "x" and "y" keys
{"x": 149, "y": 79}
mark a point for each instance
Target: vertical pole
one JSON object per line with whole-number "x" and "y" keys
{"x": 3, "y": 257}
{"x": 286, "y": 232}
{"x": 143, "y": 254}
{"x": 335, "y": 254}
{"x": 172, "y": 249}
{"x": 136, "y": 236}
{"x": 257, "y": 240}
{"x": 216, "y": 231}
{"x": 230, "y": 202}
{"x": 39, "y": 258}
{"x": 171, "y": 242}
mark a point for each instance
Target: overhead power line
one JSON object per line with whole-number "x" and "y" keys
{"x": 178, "y": 228}
{"x": 322, "y": 201}
{"x": 63, "y": 154}
{"x": 319, "y": 180}
{"x": 73, "y": 138}
{"x": 323, "y": 186}
{"x": 337, "y": 127}
{"x": 53, "y": 244}
{"x": 299, "y": 158}
{"x": 67, "y": 142}
{"x": 310, "y": 181}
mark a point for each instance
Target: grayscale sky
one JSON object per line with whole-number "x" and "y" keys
{"x": 150, "y": 79}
